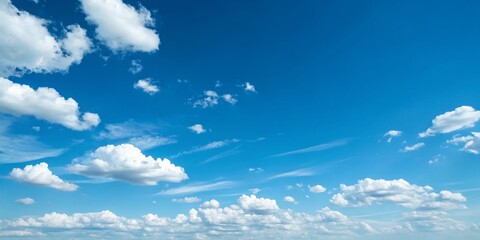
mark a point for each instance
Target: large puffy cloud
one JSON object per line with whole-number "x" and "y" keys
{"x": 400, "y": 192}
{"x": 127, "y": 163}
{"x": 471, "y": 142}
{"x": 461, "y": 118}
{"x": 120, "y": 26}
{"x": 40, "y": 175}
{"x": 27, "y": 46}
{"x": 43, "y": 103}
{"x": 252, "y": 203}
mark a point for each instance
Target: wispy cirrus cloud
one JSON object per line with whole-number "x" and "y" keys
{"x": 304, "y": 172}
{"x": 316, "y": 148}
{"x": 198, "y": 187}
{"x": 208, "y": 146}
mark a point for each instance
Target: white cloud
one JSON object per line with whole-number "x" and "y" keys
{"x": 186, "y": 200}
{"x": 210, "y": 100}
{"x": 248, "y": 87}
{"x": 399, "y": 192}
{"x": 254, "y": 191}
{"x": 121, "y": 27}
{"x": 229, "y": 98}
{"x": 256, "y": 170}
{"x": 127, "y": 163}
{"x": 304, "y": 172}
{"x": 210, "y": 204}
{"x": 146, "y": 142}
{"x": 471, "y": 142}
{"x": 320, "y": 147}
{"x": 43, "y": 103}
{"x": 209, "y": 146}
{"x": 27, "y": 45}
{"x": 218, "y": 84}
{"x": 197, "y": 187}
{"x": 434, "y": 221}
{"x": 461, "y": 118}
{"x": 135, "y": 66}
{"x": 25, "y": 201}
{"x": 316, "y": 188}
{"x": 197, "y": 128}
{"x": 289, "y": 199}
{"x": 391, "y": 134}
{"x": 413, "y": 147}
{"x": 42, "y": 176}
{"x": 146, "y": 86}
{"x": 254, "y": 204}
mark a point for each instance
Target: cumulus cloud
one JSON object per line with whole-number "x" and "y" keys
{"x": 127, "y": 163}
{"x": 186, "y": 200}
{"x": 44, "y": 103}
{"x": 461, "y": 118}
{"x": 120, "y": 26}
{"x": 471, "y": 143}
{"x": 289, "y": 199}
{"x": 197, "y": 128}
{"x": 399, "y": 192}
{"x": 210, "y": 99}
{"x": 229, "y": 98}
{"x": 210, "y": 204}
{"x": 27, "y": 45}
{"x": 414, "y": 147}
{"x": 316, "y": 188}
{"x": 25, "y": 201}
{"x": 391, "y": 134}
{"x": 248, "y": 87}
{"x": 135, "y": 66}
{"x": 254, "y": 204}
{"x": 146, "y": 86}
{"x": 42, "y": 176}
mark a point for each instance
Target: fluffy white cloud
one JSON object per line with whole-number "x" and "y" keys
{"x": 461, "y": 118}
{"x": 40, "y": 175}
{"x": 434, "y": 221}
{"x": 43, "y": 103}
{"x": 248, "y": 87}
{"x": 289, "y": 199}
{"x": 210, "y": 204}
{"x": 26, "y": 44}
{"x": 25, "y": 201}
{"x": 471, "y": 142}
{"x": 252, "y": 203}
{"x": 414, "y": 147}
{"x": 391, "y": 134}
{"x": 186, "y": 200}
{"x": 400, "y": 192}
{"x": 146, "y": 86}
{"x": 210, "y": 100}
{"x": 127, "y": 163}
{"x": 197, "y": 128}
{"x": 121, "y": 27}
{"x": 229, "y": 98}
{"x": 135, "y": 67}
{"x": 316, "y": 188}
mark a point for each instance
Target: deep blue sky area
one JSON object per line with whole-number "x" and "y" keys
{"x": 239, "y": 119}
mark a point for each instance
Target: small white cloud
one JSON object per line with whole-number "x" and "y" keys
{"x": 218, "y": 84}
{"x": 146, "y": 86}
{"x": 25, "y": 201}
{"x": 36, "y": 128}
{"x": 197, "y": 128}
{"x": 210, "y": 100}
{"x": 44, "y": 103}
{"x": 42, "y": 176}
{"x": 413, "y": 147}
{"x": 316, "y": 188}
{"x": 248, "y": 87}
{"x": 210, "y": 204}
{"x": 135, "y": 66}
{"x": 229, "y": 98}
{"x": 127, "y": 163}
{"x": 256, "y": 170}
{"x": 254, "y": 204}
{"x": 391, "y": 134}
{"x": 120, "y": 26}
{"x": 254, "y": 191}
{"x": 186, "y": 200}
{"x": 289, "y": 199}
{"x": 461, "y": 118}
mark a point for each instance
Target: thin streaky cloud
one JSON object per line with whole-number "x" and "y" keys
{"x": 196, "y": 188}
{"x": 317, "y": 148}
{"x": 222, "y": 155}
{"x": 209, "y": 146}
{"x": 304, "y": 172}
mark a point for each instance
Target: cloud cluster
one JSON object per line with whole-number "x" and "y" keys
{"x": 40, "y": 175}
{"x": 461, "y": 118}
{"x": 399, "y": 192}
{"x": 26, "y": 44}
{"x": 391, "y": 134}
{"x": 146, "y": 86}
{"x": 197, "y": 128}
{"x": 44, "y": 103}
{"x": 120, "y": 26}
{"x": 471, "y": 143}
{"x": 127, "y": 163}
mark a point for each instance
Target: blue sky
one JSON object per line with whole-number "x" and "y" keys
{"x": 239, "y": 120}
